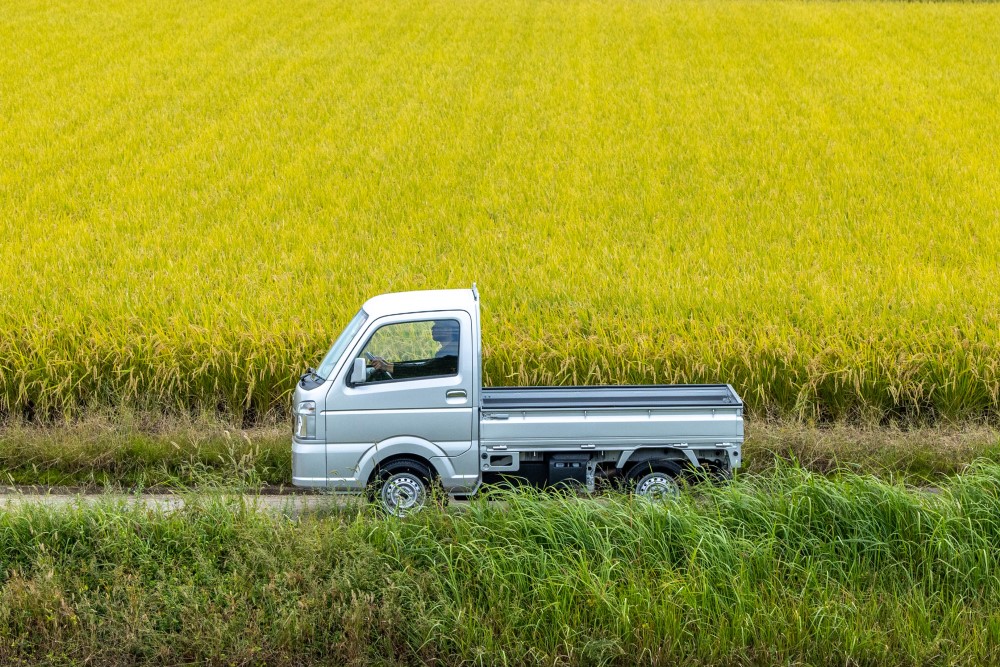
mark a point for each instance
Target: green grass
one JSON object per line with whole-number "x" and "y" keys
{"x": 788, "y": 568}
{"x": 797, "y": 198}
{"x": 915, "y": 455}
{"x": 129, "y": 452}
{"x": 121, "y": 452}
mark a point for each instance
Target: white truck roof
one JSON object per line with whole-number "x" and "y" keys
{"x": 421, "y": 301}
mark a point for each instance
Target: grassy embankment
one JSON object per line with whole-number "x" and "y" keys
{"x": 124, "y": 454}
{"x": 797, "y": 198}
{"x": 791, "y": 568}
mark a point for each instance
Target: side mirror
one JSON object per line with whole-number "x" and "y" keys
{"x": 360, "y": 371}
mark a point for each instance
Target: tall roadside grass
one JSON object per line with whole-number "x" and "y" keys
{"x": 797, "y": 198}
{"x": 788, "y": 568}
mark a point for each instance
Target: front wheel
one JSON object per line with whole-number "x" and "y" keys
{"x": 402, "y": 487}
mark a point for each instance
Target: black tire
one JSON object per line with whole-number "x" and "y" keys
{"x": 656, "y": 479}
{"x": 401, "y": 487}
{"x": 405, "y": 486}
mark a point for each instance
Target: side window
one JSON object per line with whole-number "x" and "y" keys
{"x": 407, "y": 350}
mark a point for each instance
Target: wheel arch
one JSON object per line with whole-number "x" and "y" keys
{"x": 681, "y": 457}
{"x": 402, "y": 457}
{"x": 397, "y": 448}
{"x": 673, "y": 466}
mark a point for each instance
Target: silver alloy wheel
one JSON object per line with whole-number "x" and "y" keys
{"x": 403, "y": 493}
{"x": 657, "y": 486}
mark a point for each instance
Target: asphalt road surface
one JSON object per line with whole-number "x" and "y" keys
{"x": 290, "y": 504}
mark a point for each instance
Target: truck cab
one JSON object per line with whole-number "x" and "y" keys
{"x": 397, "y": 408}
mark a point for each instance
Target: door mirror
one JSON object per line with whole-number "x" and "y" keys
{"x": 360, "y": 372}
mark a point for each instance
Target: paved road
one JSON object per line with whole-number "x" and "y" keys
{"x": 291, "y": 504}
{"x": 283, "y": 501}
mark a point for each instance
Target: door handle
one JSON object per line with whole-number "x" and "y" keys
{"x": 455, "y": 393}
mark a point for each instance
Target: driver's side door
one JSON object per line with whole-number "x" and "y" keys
{"x": 434, "y": 407}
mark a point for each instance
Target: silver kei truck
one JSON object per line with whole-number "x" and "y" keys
{"x": 397, "y": 409}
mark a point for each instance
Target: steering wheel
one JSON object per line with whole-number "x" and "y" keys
{"x": 375, "y": 374}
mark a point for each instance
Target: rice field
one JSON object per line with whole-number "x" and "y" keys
{"x": 801, "y": 199}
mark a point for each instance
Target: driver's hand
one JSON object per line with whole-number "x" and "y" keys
{"x": 382, "y": 364}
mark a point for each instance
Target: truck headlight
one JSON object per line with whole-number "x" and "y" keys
{"x": 305, "y": 419}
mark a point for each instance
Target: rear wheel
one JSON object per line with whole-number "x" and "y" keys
{"x": 402, "y": 487}
{"x": 655, "y": 480}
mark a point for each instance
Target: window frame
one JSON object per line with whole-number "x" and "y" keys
{"x": 380, "y": 383}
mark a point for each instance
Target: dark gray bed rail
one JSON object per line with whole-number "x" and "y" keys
{"x": 644, "y": 396}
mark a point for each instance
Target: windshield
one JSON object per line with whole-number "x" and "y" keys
{"x": 333, "y": 356}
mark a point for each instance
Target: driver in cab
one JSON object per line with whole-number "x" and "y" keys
{"x": 444, "y": 361}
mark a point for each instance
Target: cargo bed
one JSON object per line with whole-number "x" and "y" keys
{"x": 610, "y": 418}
